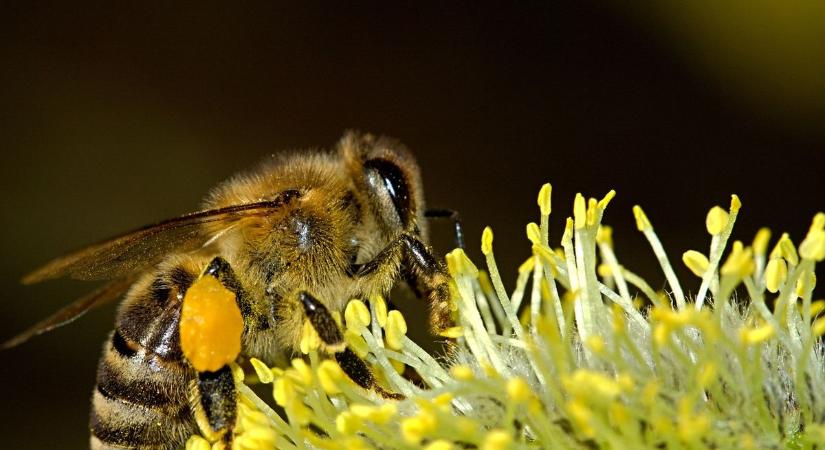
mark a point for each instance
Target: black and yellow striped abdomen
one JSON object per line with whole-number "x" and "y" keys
{"x": 142, "y": 395}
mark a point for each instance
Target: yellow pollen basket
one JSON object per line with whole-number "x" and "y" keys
{"x": 210, "y": 325}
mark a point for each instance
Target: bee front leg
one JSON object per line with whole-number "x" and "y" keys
{"x": 422, "y": 271}
{"x": 431, "y": 279}
{"x": 329, "y": 333}
{"x": 449, "y": 214}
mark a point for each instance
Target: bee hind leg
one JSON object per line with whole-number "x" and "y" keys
{"x": 329, "y": 333}
{"x": 215, "y": 404}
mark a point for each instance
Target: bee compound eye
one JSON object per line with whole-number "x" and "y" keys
{"x": 387, "y": 176}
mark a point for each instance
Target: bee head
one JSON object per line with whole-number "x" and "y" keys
{"x": 387, "y": 173}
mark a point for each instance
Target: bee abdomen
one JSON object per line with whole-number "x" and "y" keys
{"x": 140, "y": 400}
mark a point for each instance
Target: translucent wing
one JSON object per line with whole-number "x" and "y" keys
{"x": 134, "y": 251}
{"x": 108, "y": 292}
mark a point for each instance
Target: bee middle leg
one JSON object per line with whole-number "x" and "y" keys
{"x": 327, "y": 329}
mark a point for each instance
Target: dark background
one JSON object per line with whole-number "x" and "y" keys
{"x": 115, "y": 117}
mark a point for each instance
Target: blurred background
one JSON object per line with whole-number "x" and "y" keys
{"x": 113, "y": 117}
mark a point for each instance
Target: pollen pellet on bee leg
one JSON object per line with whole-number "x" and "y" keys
{"x": 211, "y": 325}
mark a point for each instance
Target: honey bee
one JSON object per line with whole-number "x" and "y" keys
{"x": 293, "y": 241}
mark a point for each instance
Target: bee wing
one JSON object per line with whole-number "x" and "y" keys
{"x": 108, "y": 292}
{"x": 134, "y": 251}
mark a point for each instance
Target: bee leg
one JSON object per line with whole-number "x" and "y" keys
{"x": 327, "y": 329}
{"x": 220, "y": 269}
{"x": 422, "y": 271}
{"x": 216, "y": 404}
{"x": 215, "y": 394}
{"x": 430, "y": 279}
{"x": 450, "y": 214}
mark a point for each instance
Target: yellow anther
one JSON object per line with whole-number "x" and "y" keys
{"x": 605, "y": 235}
{"x": 716, "y": 220}
{"x": 693, "y": 427}
{"x": 588, "y": 383}
{"x": 661, "y": 334}
{"x": 347, "y": 423}
{"x": 817, "y": 306}
{"x": 581, "y": 416}
{"x": 415, "y": 429}
{"x": 592, "y": 211}
{"x": 673, "y": 318}
{"x": 544, "y": 199}
{"x": 696, "y": 262}
{"x": 527, "y": 265}
{"x": 568, "y": 229}
{"x": 739, "y": 262}
{"x": 309, "y": 338}
{"x": 604, "y": 270}
{"x": 753, "y": 336}
{"x": 707, "y": 374}
{"x": 441, "y": 444}
{"x": 606, "y": 199}
{"x": 197, "y": 443}
{"x": 497, "y": 440}
{"x": 452, "y": 332}
{"x": 462, "y": 372}
{"x": 786, "y": 249}
{"x": 357, "y": 343}
{"x": 735, "y": 203}
{"x": 458, "y": 263}
{"x": 210, "y": 325}
{"x": 818, "y": 327}
{"x": 818, "y": 223}
{"x": 775, "y": 274}
{"x": 642, "y": 222}
{"x": 262, "y": 370}
{"x": 357, "y": 315}
{"x": 518, "y": 390}
{"x": 618, "y": 414}
{"x": 579, "y": 212}
{"x": 283, "y": 391}
{"x": 376, "y": 414}
{"x": 237, "y": 372}
{"x": 396, "y": 330}
{"x": 329, "y": 375}
{"x": 760, "y": 242}
{"x": 596, "y": 344}
{"x": 487, "y": 241}
{"x": 813, "y": 247}
{"x": 303, "y": 370}
{"x": 379, "y": 306}
{"x": 626, "y": 381}
{"x": 533, "y": 233}
{"x": 398, "y": 366}
{"x": 262, "y": 437}
{"x": 443, "y": 400}
{"x": 805, "y": 283}
{"x": 488, "y": 369}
